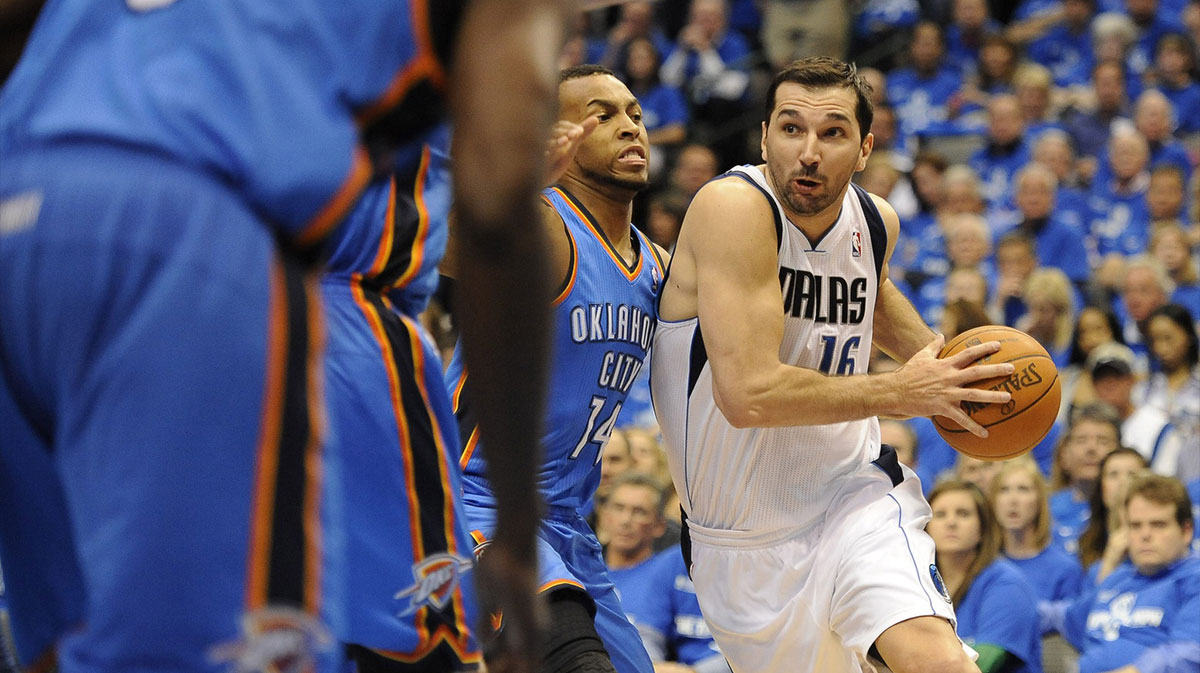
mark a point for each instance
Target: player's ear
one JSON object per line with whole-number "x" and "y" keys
{"x": 763, "y": 143}
{"x": 864, "y": 151}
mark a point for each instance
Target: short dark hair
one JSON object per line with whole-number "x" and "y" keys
{"x": 642, "y": 480}
{"x": 583, "y": 70}
{"x": 1162, "y": 490}
{"x": 821, "y": 72}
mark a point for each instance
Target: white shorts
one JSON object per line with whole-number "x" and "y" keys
{"x": 816, "y": 601}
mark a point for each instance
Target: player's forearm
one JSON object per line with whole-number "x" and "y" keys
{"x": 899, "y": 330}
{"x": 504, "y": 287}
{"x": 792, "y": 396}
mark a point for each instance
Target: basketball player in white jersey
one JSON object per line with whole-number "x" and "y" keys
{"x": 808, "y": 545}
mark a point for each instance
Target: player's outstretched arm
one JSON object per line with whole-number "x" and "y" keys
{"x": 728, "y": 237}
{"x": 503, "y": 101}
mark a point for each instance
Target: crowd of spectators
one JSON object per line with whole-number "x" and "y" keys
{"x": 1041, "y": 155}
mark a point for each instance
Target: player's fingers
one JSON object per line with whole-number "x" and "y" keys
{"x": 981, "y": 372}
{"x": 588, "y": 125}
{"x": 985, "y": 396}
{"x": 959, "y": 416}
{"x": 968, "y": 355}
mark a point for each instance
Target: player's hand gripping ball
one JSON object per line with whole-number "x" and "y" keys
{"x": 1018, "y": 425}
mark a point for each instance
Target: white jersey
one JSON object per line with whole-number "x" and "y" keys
{"x": 764, "y": 483}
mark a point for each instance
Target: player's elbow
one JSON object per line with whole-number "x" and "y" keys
{"x": 740, "y": 405}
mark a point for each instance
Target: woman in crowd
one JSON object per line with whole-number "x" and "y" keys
{"x": 1051, "y": 302}
{"x": 1020, "y": 497}
{"x": 1174, "y": 388}
{"x": 995, "y": 606}
{"x": 1103, "y": 544}
{"x": 1093, "y": 326}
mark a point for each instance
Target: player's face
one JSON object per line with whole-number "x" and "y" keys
{"x": 631, "y": 518}
{"x": 955, "y": 523}
{"x": 1088, "y": 444}
{"x": 617, "y": 153}
{"x": 1115, "y": 475}
{"x": 1156, "y": 539}
{"x": 813, "y": 146}
{"x": 1017, "y": 501}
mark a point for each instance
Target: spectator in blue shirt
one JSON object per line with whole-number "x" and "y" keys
{"x": 1020, "y": 496}
{"x": 1144, "y": 288}
{"x": 636, "y": 22}
{"x": 971, "y": 22}
{"x": 1145, "y": 617}
{"x": 1164, "y": 199}
{"x": 1033, "y": 85}
{"x": 1058, "y": 244}
{"x": 1016, "y": 259}
{"x": 1094, "y": 432}
{"x": 1005, "y": 153}
{"x": 1169, "y": 246}
{"x": 1095, "y": 325}
{"x": 1066, "y": 47}
{"x": 1153, "y": 20}
{"x": 995, "y": 606}
{"x": 1120, "y": 225}
{"x": 664, "y": 108}
{"x": 1090, "y": 122}
{"x": 1104, "y": 543}
{"x": 711, "y": 64}
{"x": 1054, "y": 151}
{"x": 1174, "y": 65}
{"x": 1154, "y": 116}
{"x": 923, "y": 93}
{"x": 655, "y": 590}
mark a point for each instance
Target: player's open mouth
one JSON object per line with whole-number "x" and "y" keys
{"x": 807, "y": 185}
{"x": 634, "y": 155}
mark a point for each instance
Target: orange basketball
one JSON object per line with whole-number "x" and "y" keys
{"x": 1017, "y": 426}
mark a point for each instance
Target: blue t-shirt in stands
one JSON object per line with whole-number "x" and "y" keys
{"x": 1000, "y": 609}
{"x": 1070, "y": 517}
{"x": 1137, "y": 619}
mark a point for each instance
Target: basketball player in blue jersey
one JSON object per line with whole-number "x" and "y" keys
{"x": 808, "y": 549}
{"x": 607, "y": 274}
{"x": 169, "y": 171}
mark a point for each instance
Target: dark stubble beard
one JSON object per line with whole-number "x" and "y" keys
{"x": 800, "y": 205}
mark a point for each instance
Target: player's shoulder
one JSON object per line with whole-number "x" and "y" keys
{"x": 732, "y": 192}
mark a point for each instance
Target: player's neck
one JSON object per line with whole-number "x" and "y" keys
{"x": 611, "y": 207}
{"x": 618, "y": 560}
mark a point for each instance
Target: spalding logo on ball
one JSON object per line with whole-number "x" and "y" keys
{"x": 1018, "y": 425}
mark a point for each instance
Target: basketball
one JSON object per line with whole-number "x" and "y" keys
{"x": 1017, "y": 426}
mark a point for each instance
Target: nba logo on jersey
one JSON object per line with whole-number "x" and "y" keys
{"x": 856, "y": 243}
{"x": 654, "y": 279}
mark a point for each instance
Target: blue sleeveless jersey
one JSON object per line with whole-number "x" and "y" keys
{"x": 294, "y": 104}
{"x": 602, "y": 327}
{"x": 393, "y": 240}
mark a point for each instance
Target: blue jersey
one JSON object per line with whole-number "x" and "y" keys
{"x": 1068, "y": 517}
{"x": 659, "y": 598}
{"x": 1054, "y": 574}
{"x": 393, "y": 240}
{"x": 602, "y": 327}
{"x": 289, "y": 102}
{"x": 921, "y": 102}
{"x": 1124, "y": 619}
{"x": 1000, "y": 609}
{"x": 1120, "y": 220}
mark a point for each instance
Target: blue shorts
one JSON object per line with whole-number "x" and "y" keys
{"x": 163, "y": 434}
{"x": 570, "y": 557}
{"x": 393, "y": 486}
